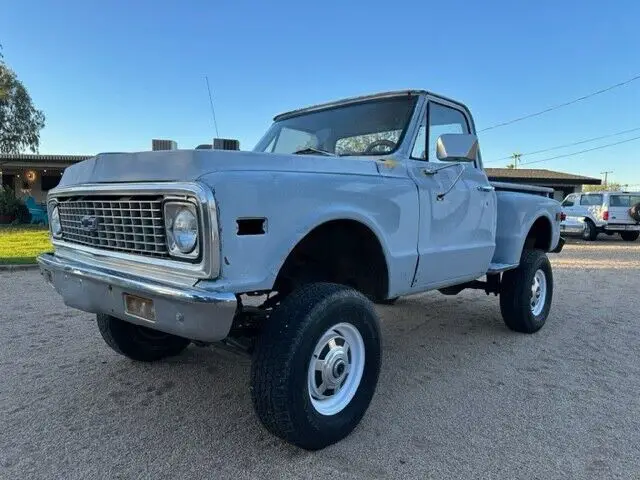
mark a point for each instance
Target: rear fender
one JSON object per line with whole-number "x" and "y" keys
{"x": 517, "y": 212}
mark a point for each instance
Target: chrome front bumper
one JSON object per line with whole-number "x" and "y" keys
{"x": 189, "y": 312}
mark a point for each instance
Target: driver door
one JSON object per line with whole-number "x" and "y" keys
{"x": 456, "y": 238}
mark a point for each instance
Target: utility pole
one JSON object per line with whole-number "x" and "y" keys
{"x": 606, "y": 176}
{"x": 516, "y": 159}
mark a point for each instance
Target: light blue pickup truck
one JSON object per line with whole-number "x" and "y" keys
{"x": 339, "y": 206}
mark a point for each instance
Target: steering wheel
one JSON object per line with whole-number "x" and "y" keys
{"x": 380, "y": 143}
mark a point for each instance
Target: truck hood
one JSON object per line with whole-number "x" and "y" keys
{"x": 190, "y": 165}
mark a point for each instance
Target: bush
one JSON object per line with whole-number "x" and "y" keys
{"x": 6, "y": 202}
{"x": 11, "y": 206}
{"x": 22, "y": 213}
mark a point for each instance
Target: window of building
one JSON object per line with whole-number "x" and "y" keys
{"x": 49, "y": 181}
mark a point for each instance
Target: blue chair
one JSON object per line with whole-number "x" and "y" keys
{"x": 38, "y": 212}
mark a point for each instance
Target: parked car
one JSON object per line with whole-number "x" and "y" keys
{"x": 572, "y": 225}
{"x": 338, "y": 206}
{"x": 592, "y": 213}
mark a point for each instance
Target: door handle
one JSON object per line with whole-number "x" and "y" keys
{"x": 433, "y": 170}
{"x": 486, "y": 188}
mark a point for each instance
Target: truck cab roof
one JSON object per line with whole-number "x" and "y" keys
{"x": 365, "y": 98}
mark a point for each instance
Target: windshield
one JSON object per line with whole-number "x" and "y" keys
{"x": 373, "y": 127}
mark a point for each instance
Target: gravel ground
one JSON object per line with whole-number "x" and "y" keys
{"x": 459, "y": 396}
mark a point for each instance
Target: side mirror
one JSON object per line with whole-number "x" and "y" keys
{"x": 457, "y": 147}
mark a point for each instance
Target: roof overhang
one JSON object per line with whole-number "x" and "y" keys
{"x": 547, "y": 181}
{"x": 39, "y": 161}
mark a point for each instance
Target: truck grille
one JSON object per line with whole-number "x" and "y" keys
{"x": 131, "y": 224}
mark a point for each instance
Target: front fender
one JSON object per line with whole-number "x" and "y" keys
{"x": 316, "y": 218}
{"x": 293, "y": 204}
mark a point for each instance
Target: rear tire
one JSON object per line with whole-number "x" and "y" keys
{"x": 526, "y": 293}
{"x": 306, "y": 386}
{"x": 630, "y": 236}
{"x": 590, "y": 232}
{"x": 137, "y": 342}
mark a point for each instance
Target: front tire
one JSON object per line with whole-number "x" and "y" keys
{"x": 316, "y": 365}
{"x": 137, "y": 342}
{"x": 526, "y": 293}
{"x": 630, "y": 236}
{"x": 387, "y": 301}
{"x": 590, "y": 232}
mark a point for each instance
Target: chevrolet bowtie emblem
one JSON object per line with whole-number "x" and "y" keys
{"x": 89, "y": 223}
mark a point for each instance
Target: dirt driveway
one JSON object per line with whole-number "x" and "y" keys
{"x": 459, "y": 395}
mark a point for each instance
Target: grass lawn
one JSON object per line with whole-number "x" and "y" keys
{"x": 22, "y": 243}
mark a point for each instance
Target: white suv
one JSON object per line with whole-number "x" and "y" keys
{"x": 602, "y": 212}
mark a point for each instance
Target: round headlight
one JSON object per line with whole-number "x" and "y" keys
{"x": 185, "y": 231}
{"x": 56, "y": 226}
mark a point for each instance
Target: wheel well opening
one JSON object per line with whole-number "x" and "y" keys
{"x": 340, "y": 251}
{"x": 539, "y": 236}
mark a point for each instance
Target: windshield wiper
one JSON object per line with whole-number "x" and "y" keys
{"x": 313, "y": 150}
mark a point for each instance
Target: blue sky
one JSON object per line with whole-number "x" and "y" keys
{"x": 112, "y": 75}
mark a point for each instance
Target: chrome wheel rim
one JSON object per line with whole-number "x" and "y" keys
{"x": 538, "y": 292}
{"x": 336, "y": 368}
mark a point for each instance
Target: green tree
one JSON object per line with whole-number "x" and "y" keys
{"x": 20, "y": 121}
{"x": 611, "y": 187}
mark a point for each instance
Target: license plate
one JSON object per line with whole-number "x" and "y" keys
{"x": 139, "y": 307}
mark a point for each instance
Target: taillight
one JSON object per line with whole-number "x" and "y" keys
{"x": 563, "y": 216}
{"x": 605, "y": 215}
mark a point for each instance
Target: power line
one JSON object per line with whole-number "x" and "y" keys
{"x": 213, "y": 112}
{"x": 588, "y": 140}
{"x": 555, "y": 107}
{"x": 582, "y": 151}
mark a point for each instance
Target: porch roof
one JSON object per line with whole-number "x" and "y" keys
{"x": 33, "y": 160}
{"x": 539, "y": 176}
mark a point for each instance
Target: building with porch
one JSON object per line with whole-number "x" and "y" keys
{"x": 34, "y": 175}
{"x": 562, "y": 183}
